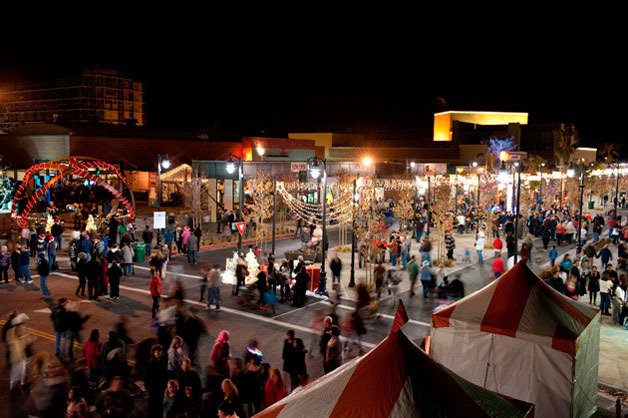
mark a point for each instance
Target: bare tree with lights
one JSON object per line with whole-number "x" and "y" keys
{"x": 261, "y": 210}
{"x": 442, "y": 212}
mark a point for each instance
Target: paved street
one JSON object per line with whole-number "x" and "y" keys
{"x": 245, "y": 322}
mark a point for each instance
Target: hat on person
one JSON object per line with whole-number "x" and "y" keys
{"x": 51, "y": 238}
{"x": 425, "y": 263}
{"x": 42, "y": 236}
{"x": 19, "y": 319}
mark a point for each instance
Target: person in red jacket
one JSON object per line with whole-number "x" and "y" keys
{"x": 155, "y": 292}
{"x": 275, "y": 388}
{"x": 93, "y": 357}
{"x": 498, "y": 267}
{"x": 497, "y": 246}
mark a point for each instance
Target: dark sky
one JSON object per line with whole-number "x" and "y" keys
{"x": 293, "y": 77}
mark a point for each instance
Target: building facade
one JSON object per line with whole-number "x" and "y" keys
{"x": 99, "y": 96}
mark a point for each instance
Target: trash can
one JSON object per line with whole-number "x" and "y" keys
{"x": 140, "y": 252}
{"x": 591, "y": 204}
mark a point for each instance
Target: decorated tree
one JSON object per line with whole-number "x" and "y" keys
{"x": 261, "y": 210}
{"x": 495, "y": 146}
{"x": 441, "y": 210}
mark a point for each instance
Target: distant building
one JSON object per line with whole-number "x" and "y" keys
{"x": 99, "y": 96}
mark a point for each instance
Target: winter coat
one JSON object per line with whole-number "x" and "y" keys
{"x": 155, "y": 286}
{"x": 5, "y": 260}
{"x": 43, "y": 268}
{"x": 93, "y": 357}
{"x": 127, "y": 254}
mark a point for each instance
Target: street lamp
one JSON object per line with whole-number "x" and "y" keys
{"x": 355, "y": 198}
{"x": 475, "y": 165}
{"x": 316, "y": 167}
{"x": 616, "y": 187}
{"x": 571, "y": 172}
{"x": 163, "y": 162}
{"x": 517, "y": 167}
{"x": 541, "y": 187}
{"x": 231, "y": 167}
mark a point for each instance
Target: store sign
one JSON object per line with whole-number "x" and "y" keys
{"x": 159, "y": 220}
{"x": 297, "y": 167}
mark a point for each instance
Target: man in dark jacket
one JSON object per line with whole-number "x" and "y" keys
{"x": 155, "y": 381}
{"x": 147, "y": 237}
{"x": 188, "y": 377}
{"x": 59, "y": 319}
{"x": 74, "y": 326}
{"x": 15, "y": 262}
{"x": 94, "y": 274}
{"x": 114, "y": 273}
{"x": 57, "y": 231}
{"x": 336, "y": 267}
{"x": 81, "y": 271}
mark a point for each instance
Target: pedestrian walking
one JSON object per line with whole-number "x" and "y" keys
{"x": 147, "y": 237}
{"x": 293, "y": 356}
{"x": 5, "y": 263}
{"x": 43, "y": 269}
{"x": 413, "y": 272}
{"x": 220, "y": 354}
{"x": 213, "y": 287}
{"x": 333, "y": 356}
{"x": 192, "y": 249}
{"x": 175, "y": 357}
{"x": 93, "y": 357}
{"x": 427, "y": 278}
{"x": 18, "y": 340}
{"x": 450, "y": 245}
{"x": 24, "y": 266}
{"x": 15, "y": 263}
{"x": 114, "y": 273}
{"x": 127, "y": 259}
{"x": 155, "y": 293}
{"x": 479, "y": 246}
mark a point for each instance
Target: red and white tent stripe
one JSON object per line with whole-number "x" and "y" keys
{"x": 394, "y": 379}
{"x": 518, "y": 307}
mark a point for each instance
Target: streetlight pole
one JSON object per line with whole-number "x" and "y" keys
{"x": 579, "y": 247}
{"x": 429, "y": 205}
{"x": 479, "y": 207}
{"x": 241, "y": 199}
{"x": 316, "y": 170}
{"x": 162, "y": 162}
{"x": 353, "y": 199}
{"x": 274, "y": 213}
{"x": 616, "y": 187}
{"x": 517, "y": 167}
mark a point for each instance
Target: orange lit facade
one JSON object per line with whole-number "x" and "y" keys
{"x": 444, "y": 121}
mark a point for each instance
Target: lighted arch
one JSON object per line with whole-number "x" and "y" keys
{"x": 70, "y": 165}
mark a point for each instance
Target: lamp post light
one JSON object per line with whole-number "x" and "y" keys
{"x": 571, "y": 172}
{"x": 162, "y": 162}
{"x": 475, "y": 165}
{"x": 355, "y": 198}
{"x": 517, "y": 167}
{"x": 231, "y": 167}
{"x": 316, "y": 167}
{"x": 541, "y": 187}
{"x": 616, "y": 187}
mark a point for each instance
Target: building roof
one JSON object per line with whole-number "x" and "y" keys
{"x": 40, "y": 129}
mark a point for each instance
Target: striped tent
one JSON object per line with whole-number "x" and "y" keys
{"x": 519, "y": 337}
{"x": 395, "y": 379}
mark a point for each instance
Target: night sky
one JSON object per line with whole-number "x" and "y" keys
{"x": 245, "y": 80}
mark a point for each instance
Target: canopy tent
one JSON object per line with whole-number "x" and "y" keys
{"x": 519, "y": 337}
{"x": 395, "y": 379}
